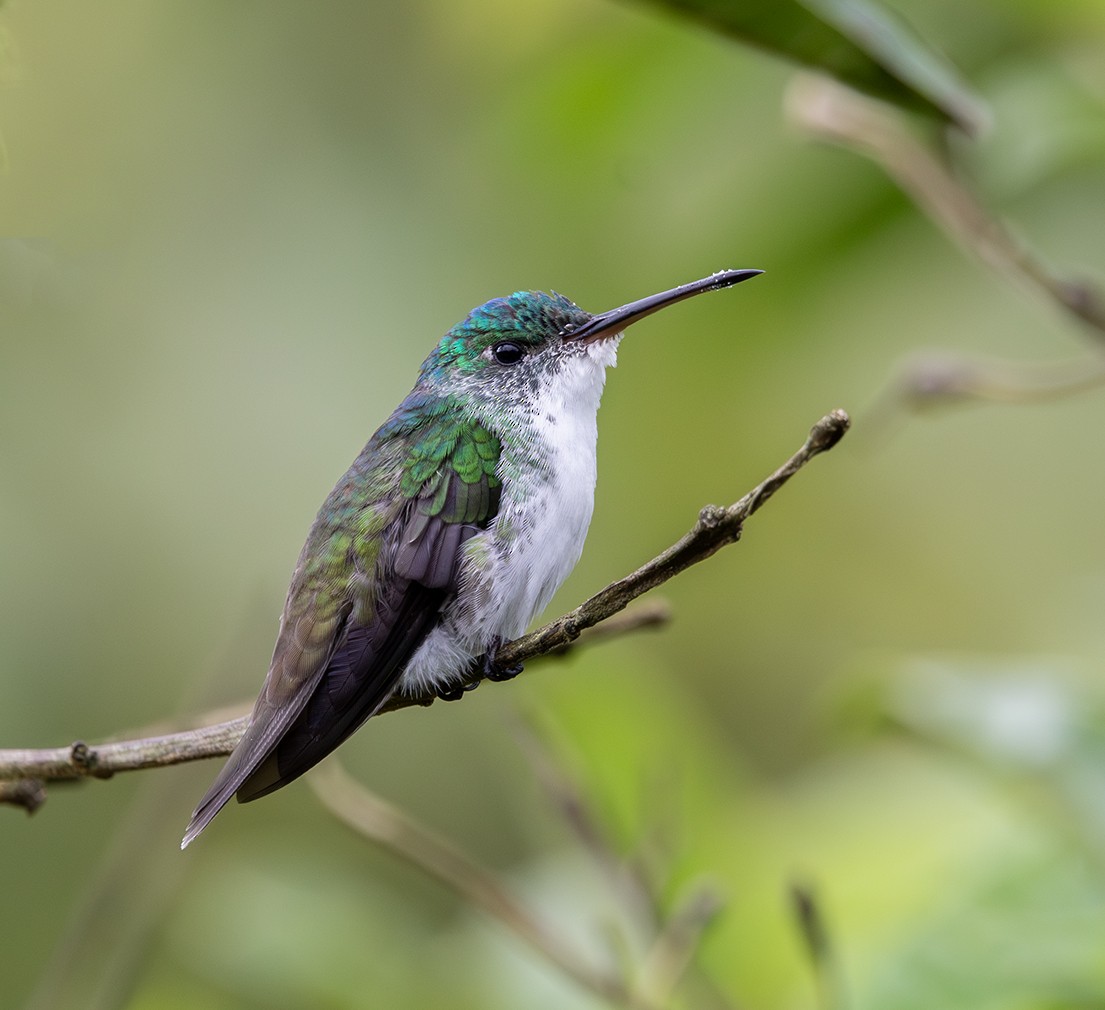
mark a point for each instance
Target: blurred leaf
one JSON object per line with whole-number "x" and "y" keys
{"x": 855, "y": 41}
{"x": 1018, "y": 714}
{"x": 1019, "y": 928}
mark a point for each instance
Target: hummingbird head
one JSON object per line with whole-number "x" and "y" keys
{"x": 510, "y": 350}
{"x": 521, "y": 334}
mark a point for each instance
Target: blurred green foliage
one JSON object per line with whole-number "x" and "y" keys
{"x": 251, "y": 221}
{"x": 855, "y": 41}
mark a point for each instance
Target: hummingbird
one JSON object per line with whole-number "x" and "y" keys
{"x": 452, "y": 529}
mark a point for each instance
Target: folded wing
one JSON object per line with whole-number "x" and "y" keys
{"x": 360, "y": 605}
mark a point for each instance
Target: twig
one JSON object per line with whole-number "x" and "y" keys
{"x": 840, "y": 115}
{"x": 388, "y": 826}
{"x": 29, "y": 794}
{"x": 675, "y": 948}
{"x": 572, "y": 804}
{"x": 675, "y": 939}
{"x": 80, "y": 760}
{"x": 715, "y": 528}
{"x": 22, "y": 772}
{"x": 645, "y": 616}
{"x": 819, "y": 949}
{"x": 933, "y": 379}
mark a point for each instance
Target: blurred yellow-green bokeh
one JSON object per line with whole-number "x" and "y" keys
{"x": 232, "y": 231}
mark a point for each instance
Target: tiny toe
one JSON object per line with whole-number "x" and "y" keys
{"x": 501, "y": 673}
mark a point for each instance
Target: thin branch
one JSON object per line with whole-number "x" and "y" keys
{"x": 932, "y": 379}
{"x": 651, "y": 615}
{"x": 574, "y": 807}
{"x": 715, "y": 528}
{"x": 818, "y": 946}
{"x": 841, "y": 116}
{"x": 29, "y": 794}
{"x": 674, "y": 951}
{"x": 838, "y": 114}
{"x": 675, "y": 937}
{"x": 401, "y": 835}
{"x": 81, "y": 760}
{"x": 22, "y": 772}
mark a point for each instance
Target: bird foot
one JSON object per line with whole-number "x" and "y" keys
{"x": 490, "y": 666}
{"x": 456, "y": 691}
{"x": 484, "y": 667}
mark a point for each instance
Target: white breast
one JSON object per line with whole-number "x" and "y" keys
{"x": 543, "y": 523}
{"x": 538, "y": 536}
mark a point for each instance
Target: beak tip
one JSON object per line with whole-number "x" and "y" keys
{"x": 727, "y": 278}
{"x": 608, "y": 323}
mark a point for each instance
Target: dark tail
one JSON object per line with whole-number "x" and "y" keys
{"x": 239, "y": 766}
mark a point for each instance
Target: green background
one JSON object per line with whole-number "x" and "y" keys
{"x": 249, "y": 223}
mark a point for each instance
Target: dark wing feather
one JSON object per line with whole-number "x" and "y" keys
{"x": 358, "y": 680}
{"x": 282, "y": 698}
{"x": 395, "y": 580}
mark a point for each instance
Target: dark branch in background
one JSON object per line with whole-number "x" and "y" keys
{"x": 647, "y": 981}
{"x": 673, "y": 939}
{"x": 933, "y": 379}
{"x": 386, "y": 825}
{"x": 673, "y": 953}
{"x": 832, "y": 112}
{"x": 815, "y": 938}
{"x": 715, "y": 528}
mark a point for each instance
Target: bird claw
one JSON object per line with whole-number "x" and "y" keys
{"x": 491, "y": 668}
{"x": 456, "y": 691}
{"x": 501, "y": 673}
{"x": 483, "y": 668}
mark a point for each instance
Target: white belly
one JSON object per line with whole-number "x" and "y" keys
{"x": 538, "y": 535}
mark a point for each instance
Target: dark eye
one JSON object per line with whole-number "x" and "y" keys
{"x": 508, "y": 352}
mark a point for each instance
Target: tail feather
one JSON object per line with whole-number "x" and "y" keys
{"x": 210, "y": 805}
{"x": 266, "y": 726}
{"x": 241, "y": 764}
{"x": 288, "y": 736}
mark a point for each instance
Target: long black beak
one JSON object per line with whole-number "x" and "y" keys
{"x": 606, "y": 324}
